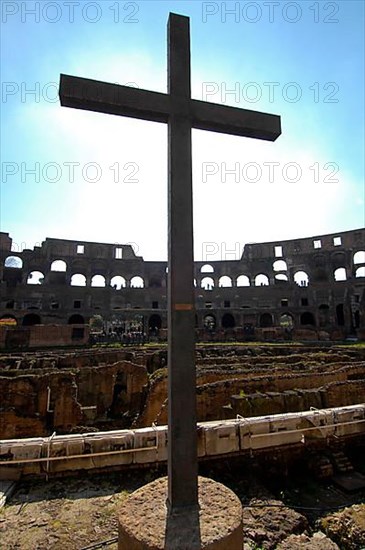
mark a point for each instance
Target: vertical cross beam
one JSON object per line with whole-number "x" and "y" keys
{"x": 182, "y": 435}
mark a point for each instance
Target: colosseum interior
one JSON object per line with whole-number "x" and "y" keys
{"x": 311, "y": 288}
{"x": 302, "y": 298}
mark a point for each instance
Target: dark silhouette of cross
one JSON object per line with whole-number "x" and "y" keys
{"x": 181, "y": 113}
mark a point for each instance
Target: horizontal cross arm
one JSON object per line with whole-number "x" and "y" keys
{"x": 113, "y": 99}
{"x": 232, "y": 120}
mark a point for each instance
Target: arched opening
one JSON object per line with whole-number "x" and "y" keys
{"x": 225, "y": 281}
{"x": 357, "y": 319}
{"x": 78, "y": 280}
{"x": 58, "y": 265}
{"x": 279, "y": 265}
{"x": 243, "y": 280}
{"x": 261, "y": 280}
{"x": 154, "y": 322}
{"x": 307, "y": 318}
{"x": 8, "y": 321}
{"x": 209, "y": 322}
{"x": 31, "y": 319}
{"x": 286, "y": 321}
{"x": 281, "y": 277}
{"x": 228, "y": 321}
{"x": 266, "y": 320}
{"x": 98, "y": 281}
{"x": 360, "y": 272}
{"x": 96, "y": 323}
{"x": 323, "y": 315}
{"x": 76, "y": 319}
{"x": 14, "y": 262}
{"x": 301, "y": 278}
{"x": 340, "y": 315}
{"x": 207, "y": 268}
{"x": 359, "y": 257}
{"x": 207, "y": 283}
{"x": 137, "y": 282}
{"x": 340, "y": 274}
{"x": 118, "y": 282}
{"x": 35, "y": 278}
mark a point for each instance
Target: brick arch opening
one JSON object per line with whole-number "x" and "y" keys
{"x": 155, "y": 322}
{"x": 58, "y": 265}
{"x": 340, "y": 315}
{"x": 210, "y": 322}
{"x": 31, "y": 319}
{"x": 228, "y": 321}
{"x": 76, "y": 319}
{"x": 14, "y": 262}
{"x": 8, "y": 320}
{"x": 307, "y": 318}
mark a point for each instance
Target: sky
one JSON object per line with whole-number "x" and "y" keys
{"x": 73, "y": 174}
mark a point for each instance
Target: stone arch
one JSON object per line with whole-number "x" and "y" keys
{"x": 98, "y": 281}
{"x": 360, "y": 272}
{"x": 76, "y": 319}
{"x": 35, "y": 278}
{"x": 307, "y": 318}
{"x": 31, "y": 319}
{"x": 225, "y": 281}
{"x": 340, "y": 315}
{"x": 280, "y": 265}
{"x": 357, "y": 318}
{"x": 359, "y": 257}
{"x": 118, "y": 282}
{"x": 266, "y": 320}
{"x": 8, "y": 320}
{"x": 210, "y": 321}
{"x": 243, "y": 280}
{"x": 261, "y": 280}
{"x": 58, "y": 265}
{"x": 137, "y": 282}
{"x": 207, "y": 283}
{"x": 78, "y": 279}
{"x": 13, "y": 261}
{"x": 207, "y": 268}
{"x": 228, "y": 321}
{"x": 301, "y": 278}
{"x": 154, "y": 322}
{"x": 340, "y": 274}
{"x": 286, "y": 321}
{"x": 281, "y": 277}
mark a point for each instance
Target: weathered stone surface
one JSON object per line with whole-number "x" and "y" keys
{"x": 144, "y": 524}
{"x": 318, "y": 541}
{"x": 39, "y": 401}
{"x": 347, "y": 527}
{"x": 267, "y": 522}
{"x": 112, "y": 388}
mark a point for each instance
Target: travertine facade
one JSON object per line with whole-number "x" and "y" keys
{"x": 313, "y": 283}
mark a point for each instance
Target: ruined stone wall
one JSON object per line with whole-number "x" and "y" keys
{"x": 39, "y": 401}
{"x": 263, "y": 385}
{"x": 295, "y": 278}
{"x": 43, "y": 392}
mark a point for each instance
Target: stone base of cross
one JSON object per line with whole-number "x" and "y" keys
{"x": 145, "y": 524}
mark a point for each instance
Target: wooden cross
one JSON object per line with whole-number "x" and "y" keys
{"x": 181, "y": 113}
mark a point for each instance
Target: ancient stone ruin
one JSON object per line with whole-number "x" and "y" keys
{"x": 302, "y": 289}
